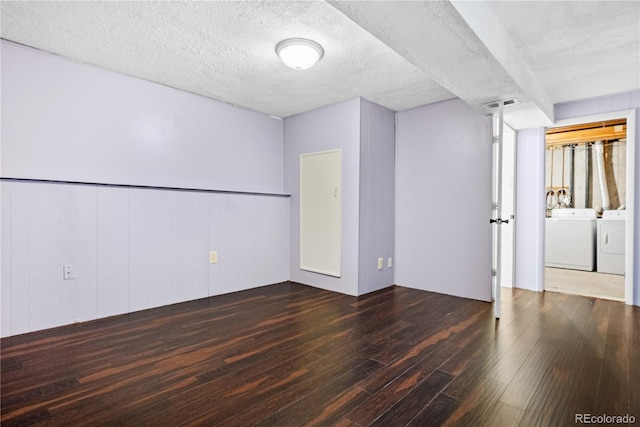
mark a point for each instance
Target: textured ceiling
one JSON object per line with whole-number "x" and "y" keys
{"x": 578, "y": 49}
{"x": 226, "y": 50}
{"x": 397, "y": 54}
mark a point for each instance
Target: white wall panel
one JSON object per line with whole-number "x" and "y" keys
{"x": 215, "y": 230}
{"x": 193, "y": 224}
{"x": 5, "y": 259}
{"x": 61, "y": 231}
{"x": 19, "y": 258}
{"x": 150, "y": 248}
{"x": 132, "y": 249}
{"x": 176, "y": 249}
{"x": 50, "y": 242}
{"x": 255, "y": 250}
{"x": 227, "y": 251}
{"x": 79, "y": 296}
{"x": 112, "y": 251}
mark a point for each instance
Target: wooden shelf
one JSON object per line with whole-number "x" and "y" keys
{"x": 584, "y": 133}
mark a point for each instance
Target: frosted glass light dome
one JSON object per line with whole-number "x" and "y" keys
{"x": 299, "y": 54}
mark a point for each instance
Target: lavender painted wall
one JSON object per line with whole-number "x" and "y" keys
{"x": 443, "y": 200}
{"x": 327, "y": 128}
{"x": 63, "y": 120}
{"x": 603, "y": 104}
{"x": 377, "y": 196}
{"x": 530, "y": 209}
{"x": 132, "y": 248}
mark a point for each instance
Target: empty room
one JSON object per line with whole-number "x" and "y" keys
{"x": 329, "y": 213}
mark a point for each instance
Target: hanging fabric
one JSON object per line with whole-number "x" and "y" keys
{"x": 598, "y": 149}
{"x": 552, "y": 200}
{"x": 564, "y": 199}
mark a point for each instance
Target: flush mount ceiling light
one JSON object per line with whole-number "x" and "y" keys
{"x": 299, "y": 54}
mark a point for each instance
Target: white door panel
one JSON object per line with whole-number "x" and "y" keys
{"x": 321, "y": 212}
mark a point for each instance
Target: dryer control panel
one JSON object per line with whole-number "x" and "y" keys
{"x": 574, "y": 213}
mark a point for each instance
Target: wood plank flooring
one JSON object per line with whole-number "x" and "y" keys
{"x": 293, "y": 355}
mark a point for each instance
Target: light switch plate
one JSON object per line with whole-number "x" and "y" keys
{"x": 213, "y": 257}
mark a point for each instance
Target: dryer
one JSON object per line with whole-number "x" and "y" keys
{"x": 570, "y": 239}
{"x": 611, "y": 242}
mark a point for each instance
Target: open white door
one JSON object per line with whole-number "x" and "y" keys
{"x": 503, "y": 208}
{"x": 443, "y": 200}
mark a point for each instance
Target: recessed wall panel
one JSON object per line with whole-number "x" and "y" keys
{"x": 113, "y": 251}
{"x": 321, "y": 212}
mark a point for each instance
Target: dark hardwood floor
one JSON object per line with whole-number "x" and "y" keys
{"x": 290, "y": 355}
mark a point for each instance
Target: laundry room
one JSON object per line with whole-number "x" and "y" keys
{"x": 585, "y": 184}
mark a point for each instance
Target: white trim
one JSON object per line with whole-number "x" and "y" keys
{"x": 630, "y": 115}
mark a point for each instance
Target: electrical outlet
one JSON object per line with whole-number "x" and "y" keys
{"x": 213, "y": 257}
{"x": 380, "y": 263}
{"x": 389, "y": 262}
{"x": 68, "y": 272}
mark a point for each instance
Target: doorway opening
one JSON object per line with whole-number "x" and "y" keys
{"x": 589, "y": 191}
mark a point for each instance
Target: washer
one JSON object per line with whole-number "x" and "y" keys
{"x": 611, "y": 242}
{"x": 570, "y": 239}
